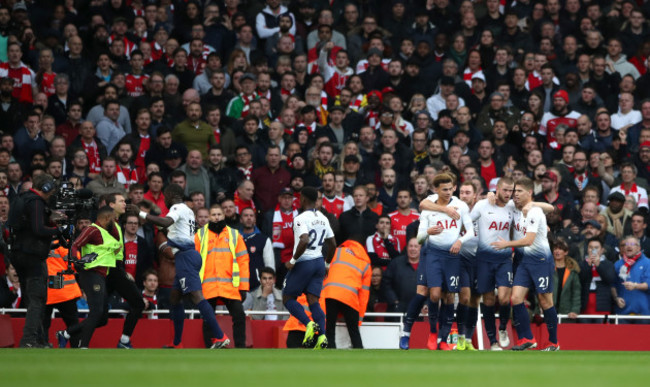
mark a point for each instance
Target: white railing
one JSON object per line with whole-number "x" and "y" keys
{"x": 195, "y": 313}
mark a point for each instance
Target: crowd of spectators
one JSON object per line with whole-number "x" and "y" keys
{"x": 243, "y": 103}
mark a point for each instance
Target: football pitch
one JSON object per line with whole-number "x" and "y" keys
{"x": 282, "y": 367}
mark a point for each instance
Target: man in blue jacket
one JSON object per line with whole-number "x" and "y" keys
{"x": 634, "y": 274}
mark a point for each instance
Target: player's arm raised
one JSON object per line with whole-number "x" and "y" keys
{"x": 157, "y": 220}
{"x": 546, "y": 208}
{"x": 300, "y": 250}
{"x": 536, "y": 216}
{"x": 428, "y": 205}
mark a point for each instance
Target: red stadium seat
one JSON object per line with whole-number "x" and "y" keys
{"x": 6, "y": 332}
{"x": 380, "y": 307}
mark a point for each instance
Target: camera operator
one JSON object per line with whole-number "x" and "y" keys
{"x": 32, "y": 232}
{"x": 104, "y": 239}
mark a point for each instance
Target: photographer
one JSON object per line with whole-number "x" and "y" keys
{"x": 32, "y": 232}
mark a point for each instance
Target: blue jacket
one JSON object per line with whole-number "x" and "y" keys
{"x": 636, "y": 301}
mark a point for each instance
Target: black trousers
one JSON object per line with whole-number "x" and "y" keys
{"x": 236, "y": 310}
{"x": 68, "y": 312}
{"x": 351, "y": 317}
{"x": 295, "y": 338}
{"x": 32, "y": 273}
{"x": 94, "y": 285}
{"x": 280, "y": 269}
{"x": 117, "y": 280}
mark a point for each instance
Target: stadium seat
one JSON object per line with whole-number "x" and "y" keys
{"x": 6, "y": 332}
{"x": 380, "y": 307}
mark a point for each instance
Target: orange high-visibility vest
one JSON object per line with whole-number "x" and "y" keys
{"x": 348, "y": 280}
{"x": 219, "y": 270}
{"x": 55, "y": 263}
{"x": 293, "y": 324}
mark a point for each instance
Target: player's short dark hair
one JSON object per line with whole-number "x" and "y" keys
{"x": 525, "y": 182}
{"x": 442, "y": 178}
{"x": 310, "y": 194}
{"x": 174, "y": 190}
{"x": 470, "y": 183}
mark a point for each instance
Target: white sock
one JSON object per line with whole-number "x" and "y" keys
{"x": 125, "y": 339}
{"x": 407, "y": 334}
{"x": 66, "y": 335}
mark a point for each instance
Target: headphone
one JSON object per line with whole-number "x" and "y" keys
{"x": 48, "y": 187}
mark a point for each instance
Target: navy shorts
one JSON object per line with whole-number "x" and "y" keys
{"x": 188, "y": 266}
{"x": 516, "y": 259}
{"x": 443, "y": 270}
{"x": 421, "y": 272}
{"x": 535, "y": 275}
{"x": 492, "y": 275}
{"x": 467, "y": 272}
{"x": 305, "y": 277}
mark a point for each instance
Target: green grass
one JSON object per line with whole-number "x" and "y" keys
{"x": 303, "y": 368}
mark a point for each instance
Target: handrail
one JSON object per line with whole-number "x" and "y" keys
{"x": 615, "y": 318}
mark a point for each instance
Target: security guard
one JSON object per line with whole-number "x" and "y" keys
{"x": 224, "y": 273}
{"x": 103, "y": 239}
{"x": 120, "y": 281}
{"x": 64, "y": 299}
{"x": 346, "y": 290}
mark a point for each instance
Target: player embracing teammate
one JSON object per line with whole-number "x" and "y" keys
{"x": 440, "y": 234}
{"x": 535, "y": 269}
{"x": 485, "y": 263}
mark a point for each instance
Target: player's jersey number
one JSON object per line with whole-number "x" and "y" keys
{"x": 543, "y": 282}
{"x": 313, "y": 238}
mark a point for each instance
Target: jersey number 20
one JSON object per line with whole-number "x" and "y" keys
{"x": 312, "y": 239}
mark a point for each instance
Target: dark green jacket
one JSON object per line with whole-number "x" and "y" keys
{"x": 571, "y": 290}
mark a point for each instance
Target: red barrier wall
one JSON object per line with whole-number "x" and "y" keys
{"x": 269, "y": 334}
{"x": 156, "y": 333}
{"x": 591, "y": 337}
